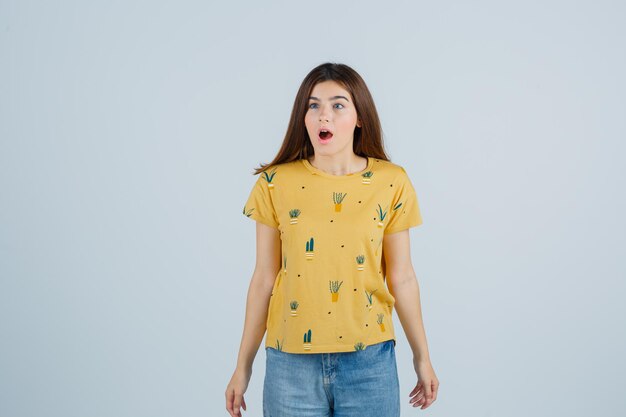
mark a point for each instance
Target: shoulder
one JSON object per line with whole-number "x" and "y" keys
{"x": 284, "y": 166}
{"x": 281, "y": 173}
{"x": 388, "y": 169}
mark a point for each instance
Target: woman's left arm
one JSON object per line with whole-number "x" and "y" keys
{"x": 403, "y": 285}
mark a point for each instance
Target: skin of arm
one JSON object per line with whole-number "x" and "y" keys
{"x": 268, "y": 255}
{"x": 403, "y": 285}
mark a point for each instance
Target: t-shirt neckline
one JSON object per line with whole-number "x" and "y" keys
{"x": 317, "y": 171}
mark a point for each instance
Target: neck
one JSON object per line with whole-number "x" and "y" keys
{"x": 339, "y": 165}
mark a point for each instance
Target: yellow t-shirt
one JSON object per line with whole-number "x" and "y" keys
{"x": 330, "y": 294}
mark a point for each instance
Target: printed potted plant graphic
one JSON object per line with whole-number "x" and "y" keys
{"x": 247, "y": 213}
{"x": 294, "y": 308}
{"x": 367, "y": 177}
{"x": 397, "y": 206}
{"x": 381, "y": 216}
{"x": 369, "y": 298}
{"x": 334, "y": 289}
{"x": 338, "y": 198}
{"x": 284, "y": 263}
{"x": 279, "y": 346}
{"x": 359, "y": 346}
{"x": 269, "y": 178}
{"x": 309, "y": 249}
{"x": 360, "y": 260}
{"x": 293, "y": 214}
{"x": 307, "y": 340}
{"x": 380, "y": 321}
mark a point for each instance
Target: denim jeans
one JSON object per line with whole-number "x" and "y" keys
{"x": 342, "y": 384}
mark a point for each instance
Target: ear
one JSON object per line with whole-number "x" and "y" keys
{"x": 358, "y": 123}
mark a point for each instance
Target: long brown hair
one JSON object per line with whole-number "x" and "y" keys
{"x": 368, "y": 140}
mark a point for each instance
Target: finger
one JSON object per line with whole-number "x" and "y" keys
{"x": 417, "y": 403}
{"x": 429, "y": 396}
{"x": 428, "y": 390}
{"x": 435, "y": 391}
{"x": 427, "y": 404}
{"x": 237, "y": 405}
{"x": 243, "y": 403}
{"x": 417, "y": 399}
{"x": 418, "y": 393}
{"x": 229, "y": 401}
{"x": 229, "y": 408}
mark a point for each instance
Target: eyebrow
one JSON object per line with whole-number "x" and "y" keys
{"x": 332, "y": 98}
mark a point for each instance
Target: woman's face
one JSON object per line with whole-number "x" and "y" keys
{"x": 331, "y": 108}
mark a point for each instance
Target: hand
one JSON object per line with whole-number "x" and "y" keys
{"x": 234, "y": 391}
{"x": 425, "y": 392}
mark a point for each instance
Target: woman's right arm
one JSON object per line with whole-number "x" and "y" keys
{"x": 268, "y": 251}
{"x": 268, "y": 263}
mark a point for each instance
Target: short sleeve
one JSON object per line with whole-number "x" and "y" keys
{"x": 404, "y": 211}
{"x": 259, "y": 205}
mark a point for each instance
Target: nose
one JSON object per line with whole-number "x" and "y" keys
{"x": 323, "y": 115}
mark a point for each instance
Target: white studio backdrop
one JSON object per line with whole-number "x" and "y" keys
{"x": 128, "y": 135}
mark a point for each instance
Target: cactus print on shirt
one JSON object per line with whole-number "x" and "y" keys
{"x": 330, "y": 294}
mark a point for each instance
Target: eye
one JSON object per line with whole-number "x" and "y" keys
{"x": 339, "y": 104}
{"x": 312, "y": 104}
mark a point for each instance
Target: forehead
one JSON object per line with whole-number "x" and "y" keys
{"x": 327, "y": 89}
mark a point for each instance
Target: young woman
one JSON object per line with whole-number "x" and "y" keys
{"x": 332, "y": 260}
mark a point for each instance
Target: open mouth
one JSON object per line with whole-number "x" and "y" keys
{"x": 325, "y": 135}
